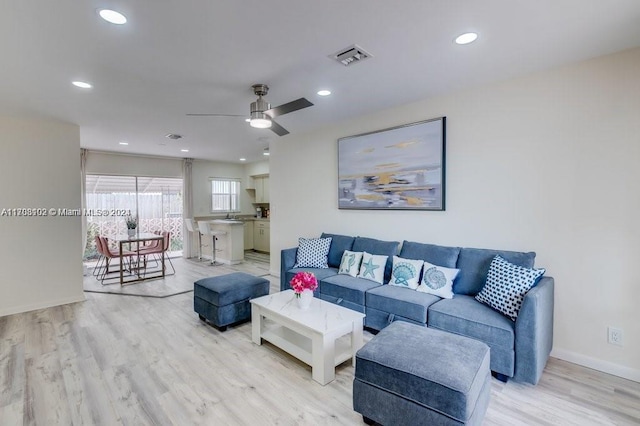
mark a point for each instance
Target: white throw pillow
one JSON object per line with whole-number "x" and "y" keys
{"x": 350, "y": 264}
{"x": 372, "y": 267}
{"x": 438, "y": 280}
{"x": 406, "y": 272}
{"x": 507, "y": 285}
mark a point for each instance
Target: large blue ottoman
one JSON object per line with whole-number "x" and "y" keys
{"x": 413, "y": 375}
{"x": 224, "y": 300}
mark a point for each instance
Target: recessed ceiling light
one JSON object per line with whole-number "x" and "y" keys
{"x": 324, "y": 92}
{"x": 184, "y": 150}
{"x": 112, "y": 16}
{"x": 82, "y": 84}
{"x": 124, "y": 143}
{"x": 466, "y": 38}
{"x": 266, "y": 153}
{"x": 243, "y": 159}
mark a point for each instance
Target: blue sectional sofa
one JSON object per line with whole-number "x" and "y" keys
{"x": 519, "y": 349}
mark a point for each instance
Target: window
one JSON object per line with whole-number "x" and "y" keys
{"x": 225, "y": 195}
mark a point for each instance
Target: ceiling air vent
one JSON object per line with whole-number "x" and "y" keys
{"x": 173, "y": 136}
{"x": 351, "y": 55}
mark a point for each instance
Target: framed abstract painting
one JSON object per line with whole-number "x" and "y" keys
{"x": 401, "y": 168}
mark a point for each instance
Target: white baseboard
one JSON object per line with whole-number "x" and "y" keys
{"x": 598, "y": 364}
{"x": 41, "y": 305}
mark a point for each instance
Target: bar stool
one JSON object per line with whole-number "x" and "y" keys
{"x": 191, "y": 227}
{"x": 205, "y": 229}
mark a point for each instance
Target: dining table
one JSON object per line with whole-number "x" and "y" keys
{"x": 138, "y": 268}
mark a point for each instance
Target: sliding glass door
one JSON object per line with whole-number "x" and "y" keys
{"x": 155, "y": 202}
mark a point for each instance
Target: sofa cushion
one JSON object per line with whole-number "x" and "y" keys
{"x": 401, "y": 301}
{"x": 372, "y": 267}
{"x": 379, "y": 247}
{"x": 465, "y": 316}
{"x": 347, "y": 287}
{"x": 312, "y": 253}
{"x": 406, "y": 272}
{"x": 320, "y": 274}
{"x": 438, "y": 255}
{"x": 339, "y": 243}
{"x": 506, "y": 286}
{"x": 438, "y": 280}
{"x": 350, "y": 263}
{"x": 474, "y": 265}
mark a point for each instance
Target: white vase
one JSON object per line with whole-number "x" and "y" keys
{"x": 131, "y": 232}
{"x": 304, "y": 301}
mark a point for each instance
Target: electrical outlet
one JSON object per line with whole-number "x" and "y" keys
{"x": 615, "y": 335}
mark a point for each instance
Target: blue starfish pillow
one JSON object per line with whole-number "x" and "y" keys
{"x": 372, "y": 267}
{"x": 406, "y": 272}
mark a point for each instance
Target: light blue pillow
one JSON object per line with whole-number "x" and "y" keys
{"x": 507, "y": 285}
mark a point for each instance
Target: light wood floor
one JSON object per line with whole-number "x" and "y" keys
{"x": 117, "y": 359}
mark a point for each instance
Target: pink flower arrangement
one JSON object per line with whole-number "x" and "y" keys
{"x": 303, "y": 281}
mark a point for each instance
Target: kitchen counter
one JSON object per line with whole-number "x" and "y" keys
{"x": 228, "y": 221}
{"x": 230, "y": 246}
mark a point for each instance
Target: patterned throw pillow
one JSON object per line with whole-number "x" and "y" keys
{"x": 312, "y": 253}
{"x": 350, "y": 264}
{"x": 506, "y": 286}
{"x": 438, "y": 280}
{"x": 372, "y": 267}
{"x": 406, "y": 272}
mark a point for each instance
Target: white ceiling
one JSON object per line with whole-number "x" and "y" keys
{"x": 202, "y": 56}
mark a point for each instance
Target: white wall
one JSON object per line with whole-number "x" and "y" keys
{"x": 111, "y": 163}
{"x": 547, "y": 162}
{"x": 256, "y": 169}
{"x": 40, "y": 257}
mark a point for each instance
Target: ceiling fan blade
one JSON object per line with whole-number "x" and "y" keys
{"x": 288, "y": 107}
{"x": 278, "y": 129}
{"x": 216, "y": 115}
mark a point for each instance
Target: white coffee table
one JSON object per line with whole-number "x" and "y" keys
{"x": 312, "y": 335}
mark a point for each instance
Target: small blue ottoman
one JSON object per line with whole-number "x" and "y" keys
{"x": 224, "y": 300}
{"x": 413, "y": 375}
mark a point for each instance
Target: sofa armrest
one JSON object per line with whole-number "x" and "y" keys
{"x": 534, "y": 332}
{"x": 287, "y": 260}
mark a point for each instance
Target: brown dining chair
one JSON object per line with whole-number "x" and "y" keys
{"x": 110, "y": 255}
{"x": 156, "y": 250}
{"x": 98, "y": 267}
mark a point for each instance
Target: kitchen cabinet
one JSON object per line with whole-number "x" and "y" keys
{"x": 261, "y": 184}
{"x": 248, "y": 235}
{"x": 261, "y": 236}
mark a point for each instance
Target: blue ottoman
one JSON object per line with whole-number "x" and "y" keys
{"x": 224, "y": 300}
{"x": 414, "y": 375}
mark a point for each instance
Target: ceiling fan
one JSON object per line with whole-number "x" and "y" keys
{"x": 262, "y": 114}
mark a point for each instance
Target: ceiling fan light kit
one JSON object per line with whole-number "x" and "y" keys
{"x": 259, "y": 119}
{"x": 261, "y": 113}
